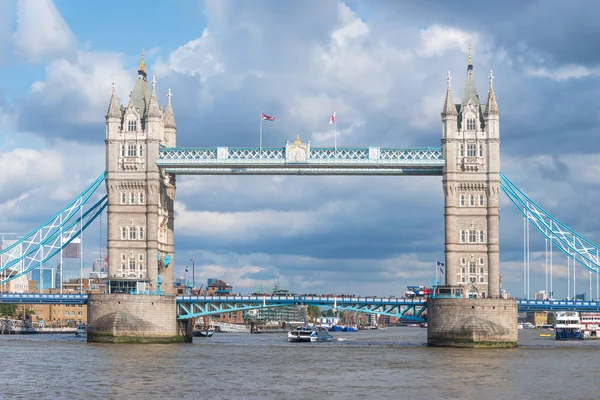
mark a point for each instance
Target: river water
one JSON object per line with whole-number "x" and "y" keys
{"x": 389, "y": 364}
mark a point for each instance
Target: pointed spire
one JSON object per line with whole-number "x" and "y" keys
{"x": 470, "y": 86}
{"x": 169, "y": 117}
{"x": 142, "y": 63}
{"x": 470, "y": 56}
{"x": 449, "y": 106}
{"x": 491, "y": 107}
{"x": 153, "y": 110}
{"x": 113, "y": 105}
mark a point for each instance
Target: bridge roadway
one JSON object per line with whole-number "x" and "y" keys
{"x": 194, "y": 306}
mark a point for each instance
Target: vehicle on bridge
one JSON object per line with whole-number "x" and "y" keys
{"x": 417, "y": 292}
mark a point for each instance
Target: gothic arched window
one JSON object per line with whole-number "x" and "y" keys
{"x": 132, "y": 125}
{"x": 480, "y": 150}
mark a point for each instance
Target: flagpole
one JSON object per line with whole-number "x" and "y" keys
{"x": 260, "y": 138}
{"x": 436, "y": 273}
{"x": 335, "y": 134}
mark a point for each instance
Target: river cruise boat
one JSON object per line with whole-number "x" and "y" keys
{"x": 590, "y": 325}
{"x": 307, "y": 334}
{"x": 568, "y": 326}
{"x": 81, "y": 330}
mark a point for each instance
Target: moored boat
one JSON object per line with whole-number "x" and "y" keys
{"x": 204, "y": 333}
{"x": 590, "y": 325}
{"x": 568, "y": 326}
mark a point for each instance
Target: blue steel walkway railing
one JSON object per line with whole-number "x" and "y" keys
{"x": 301, "y": 160}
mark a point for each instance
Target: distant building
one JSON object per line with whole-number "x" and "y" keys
{"x": 16, "y": 285}
{"x": 218, "y": 288}
{"x": 210, "y": 281}
{"x": 541, "y": 295}
{"x": 48, "y": 278}
{"x": 580, "y": 297}
{"x": 100, "y": 265}
{"x": 537, "y": 318}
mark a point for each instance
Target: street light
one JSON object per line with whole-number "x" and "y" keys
{"x": 193, "y": 273}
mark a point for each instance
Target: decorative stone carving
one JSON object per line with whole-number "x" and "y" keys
{"x": 296, "y": 151}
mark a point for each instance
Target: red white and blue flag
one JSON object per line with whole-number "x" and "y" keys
{"x": 266, "y": 117}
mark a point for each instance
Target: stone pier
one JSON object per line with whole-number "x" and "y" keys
{"x": 125, "y": 318}
{"x": 459, "y": 322}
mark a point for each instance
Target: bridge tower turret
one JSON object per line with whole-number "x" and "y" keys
{"x": 471, "y": 181}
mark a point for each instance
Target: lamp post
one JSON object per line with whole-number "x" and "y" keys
{"x": 193, "y": 273}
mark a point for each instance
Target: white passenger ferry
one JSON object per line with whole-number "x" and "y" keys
{"x": 568, "y": 326}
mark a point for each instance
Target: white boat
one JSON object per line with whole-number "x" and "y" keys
{"x": 204, "y": 333}
{"x": 590, "y": 325}
{"x": 568, "y": 326}
{"x": 81, "y": 330}
{"x": 307, "y": 334}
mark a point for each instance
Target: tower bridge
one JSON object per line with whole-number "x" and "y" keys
{"x": 143, "y": 160}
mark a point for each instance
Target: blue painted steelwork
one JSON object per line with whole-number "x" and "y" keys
{"x": 199, "y": 306}
{"x": 26, "y": 298}
{"x": 313, "y": 161}
{"x": 559, "y": 305}
{"x": 569, "y": 242}
{"x": 51, "y": 242}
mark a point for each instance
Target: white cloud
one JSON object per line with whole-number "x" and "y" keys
{"x": 41, "y": 31}
{"x": 564, "y": 73}
{"x": 438, "y": 40}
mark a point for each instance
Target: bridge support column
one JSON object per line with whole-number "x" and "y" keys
{"x": 125, "y": 318}
{"x": 186, "y": 329}
{"x": 464, "y": 322}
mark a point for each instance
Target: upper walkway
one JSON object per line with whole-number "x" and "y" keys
{"x": 299, "y": 158}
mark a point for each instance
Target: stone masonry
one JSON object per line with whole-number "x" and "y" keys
{"x": 471, "y": 181}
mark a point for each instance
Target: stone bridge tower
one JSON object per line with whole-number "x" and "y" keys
{"x": 139, "y": 304}
{"x": 473, "y": 315}
{"x": 471, "y": 180}
{"x": 140, "y": 195}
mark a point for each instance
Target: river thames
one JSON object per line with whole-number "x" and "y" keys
{"x": 390, "y": 364}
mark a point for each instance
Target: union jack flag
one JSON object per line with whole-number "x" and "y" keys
{"x": 266, "y": 117}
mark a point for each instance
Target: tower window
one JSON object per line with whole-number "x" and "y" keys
{"x": 132, "y": 263}
{"x": 480, "y": 150}
{"x": 463, "y": 261}
{"x": 122, "y": 150}
{"x": 124, "y": 232}
{"x": 471, "y": 150}
{"x": 462, "y": 150}
{"x": 481, "y": 237}
{"x": 471, "y": 124}
{"x": 472, "y": 268}
{"x": 131, "y": 150}
{"x": 481, "y": 200}
{"x": 472, "y": 236}
{"x": 462, "y": 200}
{"x": 481, "y": 261}
{"x": 141, "y": 197}
{"x": 141, "y": 150}
{"x": 463, "y": 236}
{"x": 472, "y": 200}
{"x": 131, "y": 198}
{"x": 123, "y": 198}
{"x": 141, "y": 234}
{"x": 132, "y": 126}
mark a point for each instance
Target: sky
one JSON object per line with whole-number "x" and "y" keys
{"x": 381, "y": 65}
